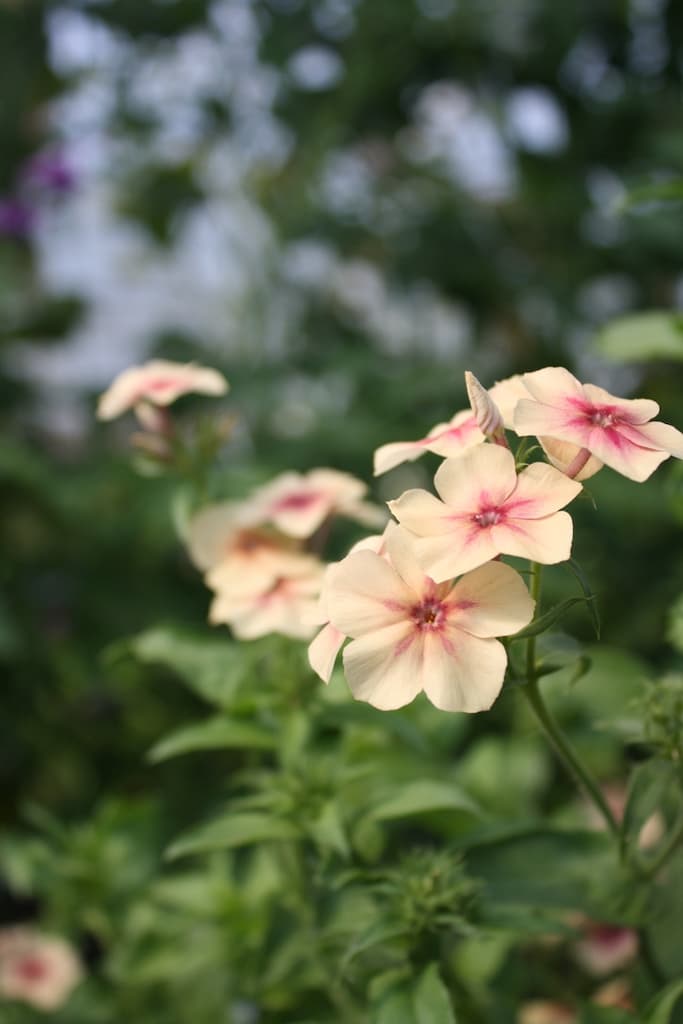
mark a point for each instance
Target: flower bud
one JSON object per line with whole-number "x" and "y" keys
{"x": 486, "y": 412}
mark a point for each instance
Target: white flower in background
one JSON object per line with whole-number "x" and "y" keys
{"x": 298, "y": 504}
{"x": 37, "y": 969}
{"x": 158, "y": 382}
{"x": 238, "y": 557}
{"x": 288, "y": 606}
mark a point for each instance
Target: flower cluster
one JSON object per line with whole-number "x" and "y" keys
{"x": 257, "y": 554}
{"x": 424, "y": 607}
{"x": 37, "y": 969}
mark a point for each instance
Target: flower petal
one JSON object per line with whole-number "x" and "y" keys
{"x": 660, "y": 436}
{"x": 613, "y": 447}
{"x": 540, "y": 490}
{"x": 491, "y": 601}
{"x": 364, "y": 593}
{"x": 466, "y": 546}
{"x": 421, "y": 512}
{"x": 323, "y": 651}
{"x": 481, "y": 477}
{"x": 400, "y": 548}
{"x": 462, "y": 672}
{"x": 633, "y": 410}
{"x": 536, "y": 419}
{"x": 384, "y": 667}
{"x": 554, "y": 386}
{"x": 547, "y": 540}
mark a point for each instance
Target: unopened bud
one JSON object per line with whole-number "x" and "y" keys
{"x": 486, "y": 412}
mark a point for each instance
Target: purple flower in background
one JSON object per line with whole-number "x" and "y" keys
{"x": 16, "y": 218}
{"x": 50, "y": 171}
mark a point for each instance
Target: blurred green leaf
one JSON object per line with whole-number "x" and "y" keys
{"x": 548, "y": 619}
{"x": 215, "y": 733}
{"x": 431, "y": 1000}
{"x": 642, "y": 336}
{"x": 231, "y": 831}
{"x": 210, "y": 667}
{"x": 648, "y": 785}
{"x": 664, "y": 1003}
{"x": 423, "y": 796}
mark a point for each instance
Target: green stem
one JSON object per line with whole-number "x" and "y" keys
{"x": 550, "y": 726}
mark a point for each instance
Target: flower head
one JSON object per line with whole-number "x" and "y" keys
{"x": 412, "y": 635}
{"x": 488, "y": 510}
{"x": 287, "y": 606}
{"x": 160, "y": 383}
{"x": 298, "y": 504}
{"x": 605, "y": 948}
{"x": 616, "y": 431}
{"x": 37, "y": 969}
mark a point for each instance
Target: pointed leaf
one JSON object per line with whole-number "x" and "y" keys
{"x": 648, "y": 785}
{"x": 578, "y": 572}
{"x": 423, "y": 796}
{"x": 431, "y": 1000}
{"x": 548, "y": 619}
{"x": 216, "y": 733}
{"x": 662, "y": 1006}
{"x": 231, "y": 831}
{"x": 642, "y": 336}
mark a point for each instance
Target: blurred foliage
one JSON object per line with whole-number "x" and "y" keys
{"x": 224, "y": 839}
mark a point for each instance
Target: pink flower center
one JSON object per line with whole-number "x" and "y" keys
{"x": 32, "y": 968}
{"x": 294, "y": 502}
{"x": 488, "y": 517}
{"x": 428, "y": 614}
{"x": 602, "y": 417}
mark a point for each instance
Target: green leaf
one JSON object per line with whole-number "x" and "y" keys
{"x": 548, "y": 619}
{"x": 423, "y": 796}
{"x": 431, "y": 1000}
{"x": 232, "y": 831}
{"x": 592, "y": 1014}
{"x": 664, "y": 1003}
{"x": 216, "y": 733}
{"x": 210, "y": 667}
{"x": 670, "y": 191}
{"x": 642, "y": 336}
{"x": 578, "y": 572}
{"x": 395, "y": 1008}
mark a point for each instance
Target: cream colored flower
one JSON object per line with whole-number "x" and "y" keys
{"x": 616, "y": 431}
{"x": 158, "y": 382}
{"x": 488, "y": 510}
{"x": 287, "y": 606}
{"x": 37, "y": 969}
{"x": 605, "y": 948}
{"x": 299, "y": 504}
{"x": 411, "y": 635}
{"x": 239, "y": 558}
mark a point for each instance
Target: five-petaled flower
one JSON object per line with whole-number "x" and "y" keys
{"x": 488, "y": 510}
{"x": 158, "y": 382}
{"x": 37, "y": 969}
{"x": 410, "y": 634}
{"x": 616, "y": 431}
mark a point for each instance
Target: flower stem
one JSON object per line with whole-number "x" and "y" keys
{"x": 550, "y": 727}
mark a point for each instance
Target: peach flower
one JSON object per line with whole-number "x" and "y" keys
{"x": 241, "y": 558}
{"x": 287, "y": 606}
{"x": 605, "y": 948}
{"x": 488, "y": 510}
{"x": 411, "y": 635}
{"x": 616, "y": 431}
{"x": 158, "y": 382}
{"x": 37, "y": 969}
{"x": 299, "y": 504}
